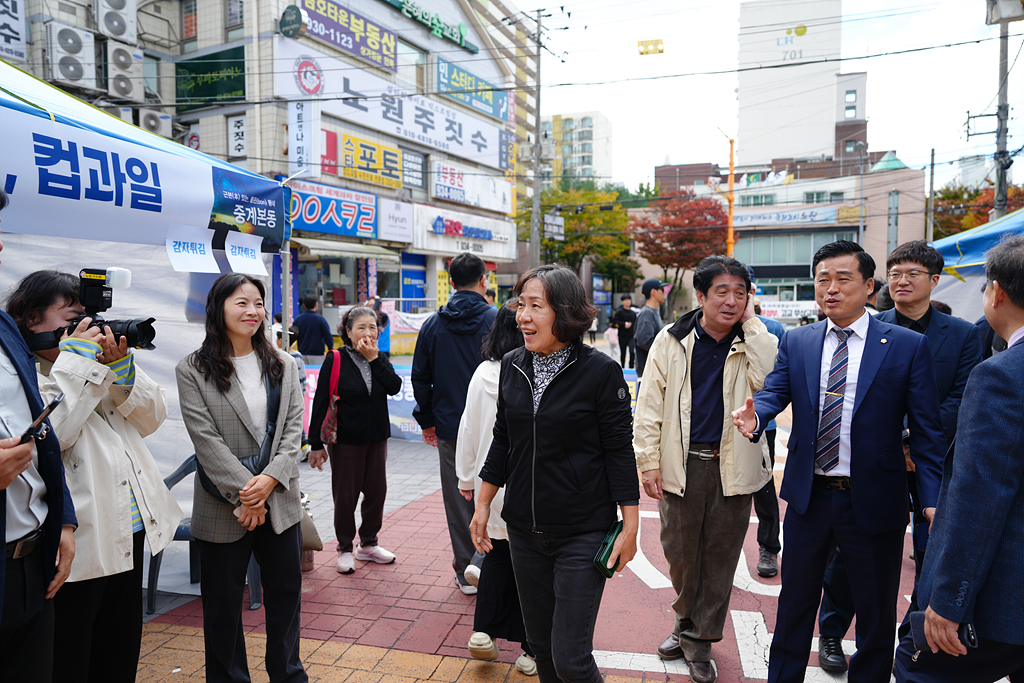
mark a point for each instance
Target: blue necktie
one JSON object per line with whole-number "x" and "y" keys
{"x": 832, "y": 413}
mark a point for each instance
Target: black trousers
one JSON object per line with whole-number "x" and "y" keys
{"x": 98, "y": 629}
{"x": 26, "y": 628}
{"x": 625, "y": 344}
{"x": 497, "y": 612}
{"x": 358, "y": 469}
{"x": 223, "y": 568}
{"x": 990, "y": 661}
{"x": 766, "y": 506}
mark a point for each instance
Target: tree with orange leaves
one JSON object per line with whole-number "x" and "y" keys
{"x": 676, "y": 232}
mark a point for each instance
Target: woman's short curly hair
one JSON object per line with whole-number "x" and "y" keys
{"x": 565, "y": 294}
{"x": 348, "y": 321}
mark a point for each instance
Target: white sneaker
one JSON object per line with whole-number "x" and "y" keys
{"x": 472, "y": 575}
{"x": 375, "y": 553}
{"x": 526, "y": 665}
{"x": 346, "y": 563}
{"x": 482, "y": 646}
{"x": 466, "y": 588}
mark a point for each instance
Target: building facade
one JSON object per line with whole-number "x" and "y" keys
{"x": 396, "y": 121}
{"x": 582, "y": 148}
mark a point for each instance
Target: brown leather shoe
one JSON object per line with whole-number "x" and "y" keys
{"x": 702, "y": 672}
{"x": 670, "y": 649}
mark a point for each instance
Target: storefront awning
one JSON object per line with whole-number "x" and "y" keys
{"x": 314, "y": 247}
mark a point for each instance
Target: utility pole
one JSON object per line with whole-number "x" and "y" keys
{"x": 1002, "y": 118}
{"x": 538, "y": 162}
{"x": 930, "y": 235}
{"x": 730, "y": 240}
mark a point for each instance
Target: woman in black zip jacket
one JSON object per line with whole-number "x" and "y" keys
{"x": 563, "y": 451}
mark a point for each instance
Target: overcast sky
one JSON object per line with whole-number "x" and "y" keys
{"x": 914, "y": 101}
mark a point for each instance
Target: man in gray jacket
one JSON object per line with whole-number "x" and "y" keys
{"x": 648, "y": 321}
{"x": 702, "y": 472}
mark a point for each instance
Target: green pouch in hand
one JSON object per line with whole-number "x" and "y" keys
{"x": 604, "y": 553}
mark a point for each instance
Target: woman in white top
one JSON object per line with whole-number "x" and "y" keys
{"x": 497, "y": 602}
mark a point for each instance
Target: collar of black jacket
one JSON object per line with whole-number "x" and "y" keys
{"x": 684, "y": 326}
{"x": 523, "y": 358}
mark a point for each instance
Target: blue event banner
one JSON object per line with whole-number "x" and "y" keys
{"x": 333, "y": 210}
{"x": 401, "y": 405}
{"x": 455, "y": 82}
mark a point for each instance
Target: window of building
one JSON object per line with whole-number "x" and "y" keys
{"x": 851, "y": 112}
{"x": 585, "y": 135}
{"x": 757, "y": 200}
{"x": 188, "y": 26}
{"x": 566, "y": 137}
{"x": 587, "y": 172}
{"x": 802, "y": 249}
{"x": 546, "y": 126}
{"x": 761, "y": 249}
{"x": 567, "y": 124}
{"x": 586, "y": 122}
{"x": 835, "y": 197}
{"x": 851, "y": 95}
{"x": 699, "y": 182}
{"x": 851, "y": 146}
{"x": 586, "y": 161}
{"x": 566, "y": 150}
{"x": 151, "y": 74}
{"x": 815, "y": 197}
{"x": 587, "y": 147}
{"x": 235, "y": 23}
{"x": 411, "y": 67}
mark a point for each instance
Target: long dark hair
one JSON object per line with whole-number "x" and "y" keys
{"x": 38, "y": 291}
{"x": 504, "y": 334}
{"x": 213, "y": 358}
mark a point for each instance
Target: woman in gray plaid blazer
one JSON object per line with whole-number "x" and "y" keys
{"x": 223, "y": 394}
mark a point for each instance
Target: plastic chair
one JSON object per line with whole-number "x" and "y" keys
{"x": 184, "y": 533}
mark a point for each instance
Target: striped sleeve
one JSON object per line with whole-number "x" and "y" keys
{"x": 82, "y": 347}
{"x": 124, "y": 369}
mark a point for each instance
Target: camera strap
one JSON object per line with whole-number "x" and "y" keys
{"x": 43, "y": 341}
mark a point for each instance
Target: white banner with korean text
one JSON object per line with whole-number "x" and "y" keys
{"x": 360, "y": 96}
{"x": 473, "y": 186}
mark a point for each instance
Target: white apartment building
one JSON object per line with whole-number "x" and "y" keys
{"x": 582, "y": 146}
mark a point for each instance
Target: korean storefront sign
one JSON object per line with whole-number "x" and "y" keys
{"x": 212, "y": 79}
{"x": 825, "y": 216}
{"x": 351, "y": 33}
{"x": 456, "y": 33}
{"x": 12, "y": 30}
{"x": 333, "y": 210}
{"x": 328, "y": 152}
{"x": 473, "y": 186}
{"x": 441, "y": 231}
{"x": 359, "y": 96}
{"x": 304, "y": 137}
{"x": 394, "y": 220}
{"x": 414, "y": 169}
{"x": 457, "y": 83}
{"x": 370, "y": 162}
{"x": 237, "y": 144}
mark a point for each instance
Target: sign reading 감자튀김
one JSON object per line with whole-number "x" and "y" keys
{"x": 351, "y": 33}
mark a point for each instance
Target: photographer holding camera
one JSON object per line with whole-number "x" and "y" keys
{"x": 109, "y": 406}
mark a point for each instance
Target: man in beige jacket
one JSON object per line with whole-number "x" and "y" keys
{"x": 699, "y": 370}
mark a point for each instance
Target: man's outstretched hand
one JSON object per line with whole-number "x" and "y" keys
{"x": 745, "y": 419}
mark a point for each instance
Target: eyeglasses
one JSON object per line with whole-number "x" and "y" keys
{"x": 912, "y": 275}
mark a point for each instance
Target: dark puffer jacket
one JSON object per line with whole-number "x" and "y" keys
{"x": 565, "y": 468}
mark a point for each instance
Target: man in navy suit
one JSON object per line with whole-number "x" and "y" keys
{"x": 36, "y": 513}
{"x": 913, "y": 271}
{"x": 973, "y": 573}
{"x": 851, "y": 380}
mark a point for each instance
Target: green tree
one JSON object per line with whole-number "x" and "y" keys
{"x": 959, "y": 208}
{"x": 594, "y": 226}
{"x": 677, "y": 233}
{"x": 634, "y": 199}
{"x": 620, "y": 269}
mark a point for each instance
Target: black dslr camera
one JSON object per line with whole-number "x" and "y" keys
{"x": 96, "y": 293}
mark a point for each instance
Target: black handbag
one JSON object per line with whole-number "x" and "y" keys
{"x": 254, "y": 463}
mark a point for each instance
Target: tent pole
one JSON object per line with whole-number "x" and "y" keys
{"x": 286, "y": 295}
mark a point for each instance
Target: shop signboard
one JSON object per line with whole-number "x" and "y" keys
{"x": 211, "y": 79}
{"x": 455, "y": 82}
{"x": 447, "y": 233}
{"x": 414, "y": 169}
{"x": 332, "y": 210}
{"x": 370, "y": 162}
{"x": 328, "y": 152}
{"x": 825, "y": 215}
{"x": 476, "y": 187}
{"x": 12, "y": 30}
{"x": 366, "y": 99}
{"x": 394, "y": 220}
{"x": 351, "y": 33}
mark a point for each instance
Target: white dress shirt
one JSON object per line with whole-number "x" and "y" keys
{"x": 26, "y": 507}
{"x": 855, "y": 348}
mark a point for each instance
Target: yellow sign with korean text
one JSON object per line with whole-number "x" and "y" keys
{"x": 442, "y": 288}
{"x": 370, "y": 162}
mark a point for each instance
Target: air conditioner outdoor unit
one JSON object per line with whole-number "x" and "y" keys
{"x": 124, "y": 72}
{"x": 123, "y": 113}
{"x": 70, "y": 55}
{"x": 116, "y": 18}
{"x": 155, "y": 122}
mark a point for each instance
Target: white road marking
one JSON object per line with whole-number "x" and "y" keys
{"x": 641, "y": 566}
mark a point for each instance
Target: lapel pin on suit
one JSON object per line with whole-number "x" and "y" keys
{"x": 884, "y": 340}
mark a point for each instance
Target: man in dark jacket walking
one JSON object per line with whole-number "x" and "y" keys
{"x": 447, "y": 353}
{"x": 624, "y": 319}
{"x": 315, "y": 337}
